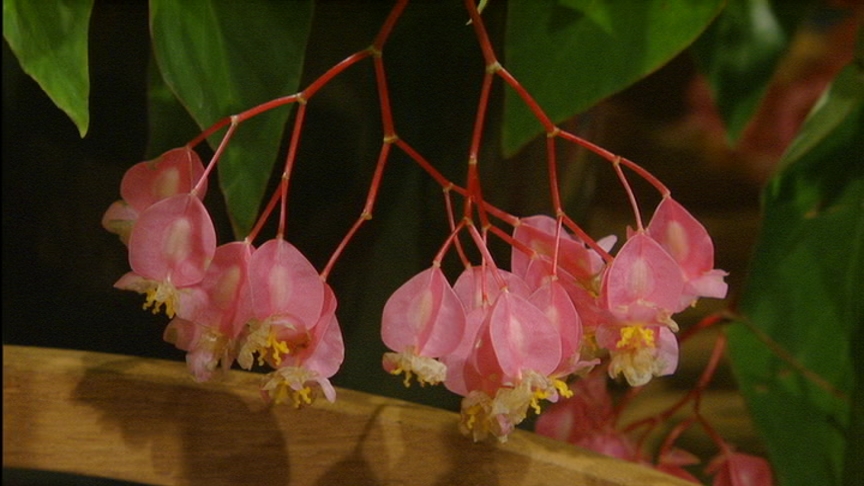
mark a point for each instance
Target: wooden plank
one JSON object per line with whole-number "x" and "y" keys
{"x": 145, "y": 420}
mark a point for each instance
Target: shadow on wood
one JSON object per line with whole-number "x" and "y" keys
{"x": 145, "y": 420}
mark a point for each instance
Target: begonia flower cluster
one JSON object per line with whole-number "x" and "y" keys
{"x": 505, "y": 340}
{"x": 233, "y": 302}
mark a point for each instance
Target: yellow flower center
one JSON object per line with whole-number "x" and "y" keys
{"x": 635, "y": 337}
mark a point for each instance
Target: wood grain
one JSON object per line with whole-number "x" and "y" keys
{"x": 145, "y": 420}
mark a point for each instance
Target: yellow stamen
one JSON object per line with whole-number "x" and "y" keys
{"x": 635, "y": 337}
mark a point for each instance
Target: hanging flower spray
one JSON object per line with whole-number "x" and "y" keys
{"x": 508, "y": 337}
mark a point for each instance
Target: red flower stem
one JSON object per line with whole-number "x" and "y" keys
{"x": 693, "y": 395}
{"x": 575, "y": 228}
{"x": 389, "y": 23}
{"x": 480, "y": 243}
{"x": 289, "y": 166}
{"x": 448, "y": 203}
{"x": 384, "y": 98}
{"x": 609, "y": 156}
{"x": 616, "y": 164}
{"x": 215, "y": 159}
{"x": 221, "y": 123}
{"x": 331, "y": 73}
{"x": 368, "y": 207}
{"x": 426, "y": 166}
{"x": 676, "y": 432}
{"x": 529, "y": 101}
{"x": 257, "y": 110}
{"x": 262, "y": 218}
{"x": 451, "y": 239}
{"x": 516, "y": 244}
{"x": 551, "y": 158}
{"x": 473, "y": 179}
{"x": 480, "y": 32}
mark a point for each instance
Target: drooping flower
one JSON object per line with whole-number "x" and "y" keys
{"x": 506, "y": 363}
{"x": 293, "y": 327}
{"x": 687, "y": 241}
{"x": 213, "y": 313}
{"x": 643, "y": 284}
{"x": 312, "y": 359}
{"x": 170, "y": 248}
{"x": 639, "y": 352}
{"x": 422, "y": 321}
{"x": 145, "y": 183}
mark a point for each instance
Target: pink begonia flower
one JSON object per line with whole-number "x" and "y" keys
{"x": 212, "y": 314}
{"x": 145, "y": 183}
{"x": 314, "y": 358}
{"x": 687, "y": 241}
{"x": 731, "y": 468}
{"x": 422, "y": 321}
{"x": 643, "y": 284}
{"x": 574, "y": 257}
{"x": 293, "y": 327}
{"x": 639, "y": 352}
{"x": 170, "y": 247}
{"x": 587, "y": 419}
{"x": 504, "y": 364}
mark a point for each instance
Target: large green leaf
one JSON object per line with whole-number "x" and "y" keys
{"x": 804, "y": 293}
{"x": 220, "y": 58}
{"x": 49, "y": 38}
{"x": 740, "y": 51}
{"x": 570, "y": 54}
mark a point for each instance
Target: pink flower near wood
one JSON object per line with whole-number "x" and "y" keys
{"x": 293, "y": 326}
{"x": 170, "y": 248}
{"x": 214, "y": 312}
{"x": 507, "y": 361}
{"x": 422, "y": 321}
{"x": 587, "y": 419}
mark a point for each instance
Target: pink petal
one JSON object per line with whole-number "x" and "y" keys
{"x": 477, "y": 286}
{"x": 642, "y": 277}
{"x": 554, "y": 302}
{"x": 283, "y": 282}
{"x": 424, "y": 313}
{"x": 327, "y": 349}
{"x": 174, "y": 239}
{"x": 174, "y": 172}
{"x": 522, "y": 337}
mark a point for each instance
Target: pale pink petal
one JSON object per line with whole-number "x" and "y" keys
{"x": 423, "y": 314}
{"x": 174, "y": 239}
{"x": 522, "y": 337}
{"x": 283, "y": 282}
{"x": 642, "y": 281}
{"x": 174, "y": 172}
{"x": 554, "y": 302}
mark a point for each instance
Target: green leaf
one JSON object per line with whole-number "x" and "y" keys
{"x": 221, "y": 58}
{"x": 49, "y": 38}
{"x": 804, "y": 294}
{"x": 740, "y": 51}
{"x": 570, "y": 54}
